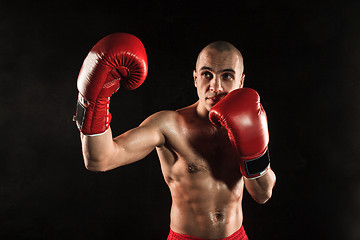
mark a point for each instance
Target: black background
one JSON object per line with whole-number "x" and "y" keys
{"x": 301, "y": 56}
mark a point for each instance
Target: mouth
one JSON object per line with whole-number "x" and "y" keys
{"x": 215, "y": 99}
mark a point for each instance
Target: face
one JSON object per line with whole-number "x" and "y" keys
{"x": 217, "y": 74}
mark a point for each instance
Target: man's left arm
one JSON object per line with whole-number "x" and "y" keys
{"x": 261, "y": 188}
{"x": 245, "y": 120}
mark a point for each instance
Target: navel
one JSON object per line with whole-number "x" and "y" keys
{"x": 218, "y": 217}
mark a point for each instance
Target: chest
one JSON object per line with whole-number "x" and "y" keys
{"x": 204, "y": 149}
{"x": 208, "y": 142}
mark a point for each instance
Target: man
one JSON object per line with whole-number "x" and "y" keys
{"x": 206, "y": 159}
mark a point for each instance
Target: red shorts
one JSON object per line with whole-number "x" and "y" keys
{"x": 238, "y": 235}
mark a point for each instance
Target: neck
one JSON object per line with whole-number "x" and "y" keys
{"x": 201, "y": 111}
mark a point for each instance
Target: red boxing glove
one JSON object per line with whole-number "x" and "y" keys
{"x": 245, "y": 120}
{"x": 118, "y": 57}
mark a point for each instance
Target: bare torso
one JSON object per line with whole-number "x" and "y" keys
{"x": 200, "y": 167}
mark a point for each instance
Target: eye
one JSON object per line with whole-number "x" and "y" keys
{"x": 207, "y": 75}
{"x": 227, "y": 76}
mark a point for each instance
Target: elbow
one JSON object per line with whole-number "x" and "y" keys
{"x": 263, "y": 198}
{"x": 97, "y": 161}
{"x": 100, "y": 162}
{"x": 94, "y": 168}
{"x": 262, "y": 192}
{"x": 93, "y": 165}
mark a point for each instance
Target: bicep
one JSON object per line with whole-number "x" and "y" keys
{"x": 136, "y": 143}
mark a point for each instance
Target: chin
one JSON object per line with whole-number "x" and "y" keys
{"x": 208, "y": 107}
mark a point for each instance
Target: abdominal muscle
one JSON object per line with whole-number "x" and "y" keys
{"x": 202, "y": 206}
{"x": 201, "y": 169}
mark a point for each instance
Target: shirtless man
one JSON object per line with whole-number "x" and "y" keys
{"x": 206, "y": 163}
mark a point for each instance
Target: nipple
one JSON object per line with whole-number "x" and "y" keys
{"x": 192, "y": 168}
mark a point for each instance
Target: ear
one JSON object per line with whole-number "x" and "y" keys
{"x": 195, "y": 77}
{"x": 242, "y": 80}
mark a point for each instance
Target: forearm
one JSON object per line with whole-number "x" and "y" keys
{"x": 96, "y": 83}
{"x": 261, "y": 188}
{"x": 103, "y": 152}
{"x": 97, "y": 150}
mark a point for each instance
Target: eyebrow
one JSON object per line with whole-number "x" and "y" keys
{"x": 224, "y": 70}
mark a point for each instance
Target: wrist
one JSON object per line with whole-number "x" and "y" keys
{"x": 257, "y": 167}
{"x": 92, "y": 117}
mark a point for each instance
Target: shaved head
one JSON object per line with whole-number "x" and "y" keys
{"x": 221, "y": 46}
{"x": 219, "y": 70}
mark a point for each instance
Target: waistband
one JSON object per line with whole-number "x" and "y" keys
{"x": 238, "y": 235}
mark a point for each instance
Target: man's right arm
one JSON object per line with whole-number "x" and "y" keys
{"x": 117, "y": 59}
{"x": 103, "y": 152}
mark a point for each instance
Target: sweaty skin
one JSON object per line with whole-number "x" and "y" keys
{"x": 200, "y": 168}
{"x": 197, "y": 159}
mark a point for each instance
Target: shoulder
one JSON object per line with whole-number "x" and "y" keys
{"x": 162, "y": 117}
{"x": 163, "y": 121}
{"x": 170, "y": 121}
{"x": 170, "y": 116}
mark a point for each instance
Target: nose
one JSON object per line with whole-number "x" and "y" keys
{"x": 215, "y": 85}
